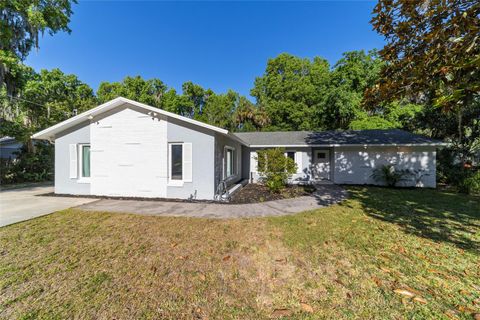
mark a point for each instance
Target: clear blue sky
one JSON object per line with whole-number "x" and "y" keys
{"x": 219, "y": 45}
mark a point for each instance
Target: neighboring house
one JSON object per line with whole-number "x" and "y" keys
{"x": 127, "y": 148}
{"x": 8, "y": 147}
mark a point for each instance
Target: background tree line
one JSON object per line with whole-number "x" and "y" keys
{"x": 425, "y": 80}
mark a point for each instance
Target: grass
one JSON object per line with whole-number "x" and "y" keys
{"x": 346, "y": 261}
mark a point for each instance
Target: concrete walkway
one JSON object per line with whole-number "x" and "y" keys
{"x": 324, "y": 196}
{"x": 23, "y": 204}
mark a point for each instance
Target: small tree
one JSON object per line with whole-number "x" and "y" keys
{"x": 275, "y": 168}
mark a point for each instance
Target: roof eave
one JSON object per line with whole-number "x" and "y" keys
{"x": 49, "y": 133}
{"x": 435, "y": 144}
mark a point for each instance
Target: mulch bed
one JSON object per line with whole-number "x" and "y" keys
{"x": 52, "y": 194}
{"x": 255, "y": 192}
{"x": 251, "y": 193}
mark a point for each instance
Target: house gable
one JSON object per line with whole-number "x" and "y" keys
{"x": 51, "y": 132}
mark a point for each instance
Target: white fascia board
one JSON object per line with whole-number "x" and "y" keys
{"x": 348, "y": 145}
{"x": 49, "y": 133}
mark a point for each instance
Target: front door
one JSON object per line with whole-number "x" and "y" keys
{"x": 321, "y": 165}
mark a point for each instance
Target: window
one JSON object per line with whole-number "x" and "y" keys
{"x": 321, "y": 155}
{"x": 291, "y": 155}
{"x": 176, "y": 161}
{"x": 85, "y": 161}
{"x": 229, "y": 159}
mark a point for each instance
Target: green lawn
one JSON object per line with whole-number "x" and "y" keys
{"x": 382, "y": 254}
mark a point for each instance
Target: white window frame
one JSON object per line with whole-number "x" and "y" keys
{"x": 174, "y": 182}
{"x": 234, "y": 164}
{"x": 81, "y": 178}
{"x": 294, "y": 154}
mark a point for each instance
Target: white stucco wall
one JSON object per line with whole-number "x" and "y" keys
{"x": 221, "y": 142}
{"x": 128, "y": 154}
{"x": 63, "y": 183}
{"x": 303, "y": 158}
{"x": 354, "y": 165}
{"x": 202, "y": 185}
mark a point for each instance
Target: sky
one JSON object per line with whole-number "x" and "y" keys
{"x": 218, "y": 45}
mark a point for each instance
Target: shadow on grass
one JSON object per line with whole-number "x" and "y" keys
{"x": 432, "y": 214}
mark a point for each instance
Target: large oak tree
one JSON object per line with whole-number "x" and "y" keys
{"x": 432, "y": 55}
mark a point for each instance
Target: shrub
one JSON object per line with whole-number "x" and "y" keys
{"x": 275, "y": 168}
{"x": 470, "y": 184}
{"x": 29, "y": 167}
{"x": 449, "y": 171}
{"x": 389, "y": 175}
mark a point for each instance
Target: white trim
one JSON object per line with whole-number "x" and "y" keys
{"x": 349, "y": 145}
{"x": 81, "y": 178}
{"x": 50, "y": 132}
{"x": 174, "y": 182}
{"x": 234, "y": 164}
{"x": 73, "y": 161}
{"x": 253, "y": 161}
{"x": 187, "y": 162}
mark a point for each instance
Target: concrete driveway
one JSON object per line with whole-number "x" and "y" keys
{"x": 23, "y": 204}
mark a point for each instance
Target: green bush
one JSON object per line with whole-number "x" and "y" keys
{"x": 471, "y": 184}
{"x": 465, "y": 179}
{"x": 388, "y": 174}
{"x": 275, "y": 168}
{"x": 29, "y": 167}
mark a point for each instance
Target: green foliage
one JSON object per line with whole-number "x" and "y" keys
{"x": 249, "y": 117}
{"x": 471, "y": 184}
{"x": 388, "y": 174}
{"x": 136, "y": 88}
{"x": 430, "y": 49}
{"x": 230, "y": 110}
{"x": 29, "y": 167}
{"x": 21, "y": 24}
{"x": 373, "y": 122}
{"x": 275, "y": 168}
{"x": 465, "y": 178}
{"x": 52, "y": 96}
{"x": 432, "y": 56}
{"x": 304, "y": 94}
{"x": 290, "y": 91}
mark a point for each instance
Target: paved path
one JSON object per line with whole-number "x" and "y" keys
{"x": 324, "y": 196}
{"x": 23, "y": 204}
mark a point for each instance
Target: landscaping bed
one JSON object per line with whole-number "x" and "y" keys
{"x": 255, "y": 192}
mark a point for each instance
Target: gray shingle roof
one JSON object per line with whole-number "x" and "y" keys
{"x": 349, "y": 137}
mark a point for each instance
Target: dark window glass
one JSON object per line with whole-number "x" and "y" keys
{"x": 230, "y": 163}
{"x": 321, "y": 155}
{"x": 86, "y": 161}
{"x": 291, "y": 155}
{"x": 177, "y": 162}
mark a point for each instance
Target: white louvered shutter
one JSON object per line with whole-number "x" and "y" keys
{"x": 298, "y": 161}
{"x": 73, "y": 161}
{"x": 253, "y": 161}
{"x": 187, "y": 162}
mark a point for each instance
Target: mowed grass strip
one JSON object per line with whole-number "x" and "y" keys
{"x": 383, "y": 253}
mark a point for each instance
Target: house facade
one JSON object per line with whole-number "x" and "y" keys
{"x": 349, "y": 157}
{"x": 128, "y": 149}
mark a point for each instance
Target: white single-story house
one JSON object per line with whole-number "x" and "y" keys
{"x": 129, "y": 149}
